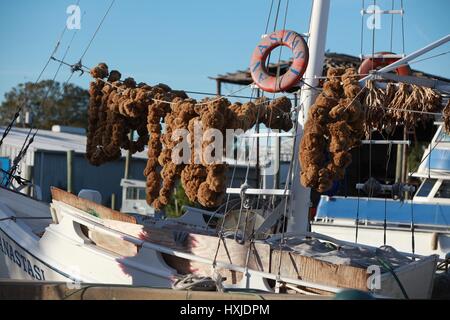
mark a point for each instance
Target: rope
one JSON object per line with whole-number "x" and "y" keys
{"x": 221, "y": 236}
{"x": 87, "y": 70}
{"x": 392, "y": 26}
{"x": 14, "y": 218}
{"x": 385, "y": 199}
{"x": 19, "y": 109}
{"x": 413, "y": 242}
{"x": 362, "y": 30}
{"x": 414, "y": 111}
{"x": 27, "y": 142}
{"x": 268, "y": 18}
{"x": 220, "y": 233}
{"x": 19, "y": 157}
{"x": 423, "y": 59}
{"x": 426, "y": 156}
{"x": 357, "y": 205}
{"x": 195, "y": 283}
{"x": 96, "y": 31}
{"x": 276, "y": 181}
{"x": 387, "y": 266}
{"x": 373, "y": 38}
{"x": 246, "y": 180}
{"x": 403, "y": 28}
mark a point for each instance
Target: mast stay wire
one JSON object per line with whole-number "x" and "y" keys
{"x": 221, "y": 235}
{"x": 278, "y": 154}
{"x": 67, "y": 50}
{"x": 273, "y": 96}
{"x": 28, "y": 141}
{"x": 392, "y": 26}
{"x": 21, "y": 104}
{"x": 96, "y": 30}
{"x": 74, "y": 68}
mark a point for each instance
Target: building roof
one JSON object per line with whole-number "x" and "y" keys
{"x": 332, "y": 59}
{"x": 47, "y": 140}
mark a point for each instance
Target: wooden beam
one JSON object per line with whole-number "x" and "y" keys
{"x": 90, "y": 206}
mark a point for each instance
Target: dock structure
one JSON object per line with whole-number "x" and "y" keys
{"x": 43, "y": 290}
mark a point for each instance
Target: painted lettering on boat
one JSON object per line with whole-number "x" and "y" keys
{"x": 20, "y": 260}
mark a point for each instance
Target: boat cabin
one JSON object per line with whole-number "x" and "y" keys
{"x": 133, "y": 198}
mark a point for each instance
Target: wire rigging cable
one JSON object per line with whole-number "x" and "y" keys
{"x": 75, "y": 67}
{"x": 97, "y": 30}
{"x": 21, "y": 104}
{"x": 28, "y": 141}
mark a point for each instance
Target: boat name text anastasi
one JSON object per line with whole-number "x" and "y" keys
{"x": 20, "y": 260}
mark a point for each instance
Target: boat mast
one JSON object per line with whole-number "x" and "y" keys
{"x": 300, "y": 198}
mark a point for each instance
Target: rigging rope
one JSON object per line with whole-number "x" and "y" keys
{"x": 392, "y": 26}
{"x": 357, "y": 205}
{"x": 96, "y": 31}
{"x": 76, "y": 67}
{"x": 21, "y": 104}
{"x": 385, "y": 199}
{"x": 27, "y": 142}
{"x": 403, "y": 28}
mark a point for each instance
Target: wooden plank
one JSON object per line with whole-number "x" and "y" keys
{"x": 309, "y": 269}
{"x": 90, "y": 206}
{"x": 113, "y": 244}
{"x": 46, "y": 290}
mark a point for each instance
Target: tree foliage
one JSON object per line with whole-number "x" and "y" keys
{"x": 63, "y": 105}
{"x": 178, "y": 199}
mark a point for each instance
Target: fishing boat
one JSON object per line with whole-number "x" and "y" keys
{"x": 79, "y": 241}
{"x": 418, "y": 225}
{"x": 250, "y": 247}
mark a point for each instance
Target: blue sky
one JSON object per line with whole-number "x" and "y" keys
{"x": 182, "y": 43}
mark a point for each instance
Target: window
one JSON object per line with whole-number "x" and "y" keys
{"x": 142, "y": 194}
{"x": 425, "y": 188}
{"x": 443, "y": 137}
{"x": 135, "y": 193}
{"x": 131, "y": 193}
{"x": 444, "y": 190}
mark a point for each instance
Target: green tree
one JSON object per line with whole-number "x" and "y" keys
{"x": 178, "y": 199}
{"x": 63, "y": 105}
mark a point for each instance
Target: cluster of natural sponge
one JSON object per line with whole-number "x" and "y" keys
{"x": 117, "y": 107}
{"x": 399, "y": 105}
{"x": 446, "y": 116}
{"x": 334, "y": 126}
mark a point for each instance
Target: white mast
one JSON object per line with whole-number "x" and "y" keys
{"x": 300, "y": 198}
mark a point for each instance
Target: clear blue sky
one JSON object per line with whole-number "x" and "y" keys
{"x": 181, "y": 43}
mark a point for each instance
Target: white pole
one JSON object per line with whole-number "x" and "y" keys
{"x": 300, "y": 198}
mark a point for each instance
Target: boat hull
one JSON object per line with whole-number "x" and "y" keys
{"x": 17, "y": 262}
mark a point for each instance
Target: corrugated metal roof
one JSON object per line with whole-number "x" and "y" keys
{"x": 51, "y": 141}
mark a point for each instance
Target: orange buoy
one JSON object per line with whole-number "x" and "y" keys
{"x": 292, "y": 76}
{"x": 375, "y": 63}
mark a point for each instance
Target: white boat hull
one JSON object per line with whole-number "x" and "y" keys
{"x": 64, "y": 253}
{"x": 17, "y": 262}
{"x": 426, "y": 242}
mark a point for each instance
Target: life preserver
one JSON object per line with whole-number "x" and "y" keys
{"x": 370, "y": 64}
{"x": 300, "y": 54}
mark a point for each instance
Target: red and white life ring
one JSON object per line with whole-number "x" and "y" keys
{"x": 370, "y": 64}
{"x": 290, "y": 78}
